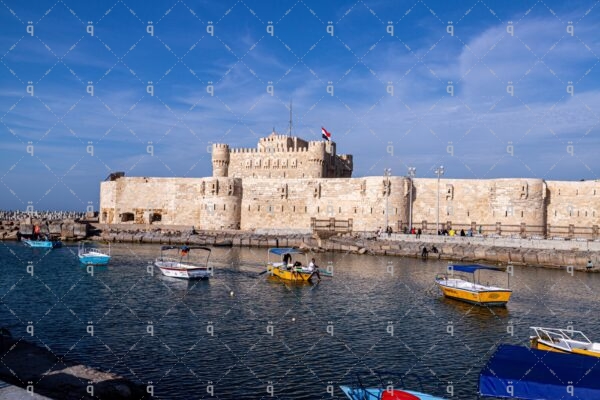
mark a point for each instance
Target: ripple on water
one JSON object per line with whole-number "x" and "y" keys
{"x": 320, "y": 334}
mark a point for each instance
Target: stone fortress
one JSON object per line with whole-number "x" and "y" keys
{"x": 290, "y": 184}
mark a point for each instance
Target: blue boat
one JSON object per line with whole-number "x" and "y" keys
{"x": 46, "y": 244}
{"x": 519, "y": 372}
{"x": 93, "y": 255}
{"x": 359, "y": 391}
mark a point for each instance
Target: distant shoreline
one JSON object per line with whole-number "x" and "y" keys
{"x": 569, "y": 254}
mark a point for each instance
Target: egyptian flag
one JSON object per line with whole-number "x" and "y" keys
{"x": 326, "y": 135}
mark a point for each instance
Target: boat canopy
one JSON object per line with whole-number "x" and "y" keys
{"x": 522, "y": 373}
{"x": 283, "y": 250}
{"x": 188, "y": 248}
{"x": 471, "y": 268}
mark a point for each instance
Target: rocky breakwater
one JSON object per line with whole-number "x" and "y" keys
{"x": 184, "y": 235}
{"x": 64, "y": 229}
{"x": 26, "y": 365}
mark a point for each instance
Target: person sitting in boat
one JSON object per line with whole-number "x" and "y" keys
{"x": 36, "y": 232}
{"x": 287, "y": 260}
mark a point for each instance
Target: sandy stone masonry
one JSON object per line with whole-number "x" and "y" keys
{"x": 290, "y": 183}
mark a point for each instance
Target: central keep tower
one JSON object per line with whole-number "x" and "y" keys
{"x": 281, "y": 156}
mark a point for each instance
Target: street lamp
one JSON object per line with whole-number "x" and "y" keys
{"x": 411, "y": 174}
{"x": 387, "y": 172}
{"x": 439, "y": 172}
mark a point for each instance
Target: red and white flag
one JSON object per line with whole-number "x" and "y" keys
{"x": 326, "y": 135}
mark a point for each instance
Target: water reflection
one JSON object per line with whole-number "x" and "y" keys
{"x": 375, "y": 313}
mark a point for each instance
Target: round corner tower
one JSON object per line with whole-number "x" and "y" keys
{"x": 220, "y": 160}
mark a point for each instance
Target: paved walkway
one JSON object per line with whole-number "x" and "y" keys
{"x": 11, "y": 392}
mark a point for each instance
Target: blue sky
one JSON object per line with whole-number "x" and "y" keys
{"x": 468, "y": 132}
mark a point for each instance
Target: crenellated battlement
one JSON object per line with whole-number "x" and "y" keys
{"x": 282, "y": 156}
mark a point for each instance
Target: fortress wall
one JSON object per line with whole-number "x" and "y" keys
{"x": 576, "y": 203}
{"x": 280, "y": 164}
{"x": 462, "y": 201}
{"x": 221, "y": 204}
{"x": 484, "y": 202}
{"x": 108, "y": 200}
{"x": 178, "y": 201}
{"x": 280, "y": 204}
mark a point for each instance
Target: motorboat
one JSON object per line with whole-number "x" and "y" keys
{"x": 462, "y": 288}
{"x": 92, "y": 255}
{"x": 175, "y": 262}
{"x": 46, "y": 244}
{"x": 563, "y": 341}
{"x": 287, "y": 269}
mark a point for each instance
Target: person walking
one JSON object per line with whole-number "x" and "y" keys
{"x": 419, "y": 231}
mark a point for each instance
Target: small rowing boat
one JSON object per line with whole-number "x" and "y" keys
{"x": 92, "y": 255}
{"x": 289, "y": 270}
{"x": 471, "y": 291}
{"x": 563, "y": 341}
{"x": 178, "y": 264}
{"x": 45, "y": 244}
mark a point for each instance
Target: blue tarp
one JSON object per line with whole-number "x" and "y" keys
{"x": 283, "y": 250}
{"x": 472, "y": 268}
{"x": 522, "y": 373}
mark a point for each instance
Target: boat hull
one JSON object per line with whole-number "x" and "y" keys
{"x": 377, "y": 394}
{"x": 44, "y": 244}
{"x": 177, "y": 270}
{"x": 536, "y": 344}
{"x": 94, "y": 259}
{"x": 295, "y": 276}
{"x": 497, "y": 298}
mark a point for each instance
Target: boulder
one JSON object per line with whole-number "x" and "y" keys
{"x": 80, "y": 230}
{"x": 67, "y": 230}
{"x": 55, "y": 228}
{"x": 26, "y": 229}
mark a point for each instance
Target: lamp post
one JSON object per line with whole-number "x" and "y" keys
{"x": 439, "y": 172}
{"x": 411, "y": 174}
{"x": 387, "y": 172}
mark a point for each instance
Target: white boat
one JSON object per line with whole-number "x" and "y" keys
{"x": 93, "y": 255}
{"x": 177, "y": 263}
{"x": 563, "y": 341}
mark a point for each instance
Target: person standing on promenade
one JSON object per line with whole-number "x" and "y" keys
{"x": 419, "y": 231}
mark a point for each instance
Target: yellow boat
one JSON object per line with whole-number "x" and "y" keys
{"x": 290, "y": 271}
{"x": 471, "y": 291}
{"x": 563, "y": 341}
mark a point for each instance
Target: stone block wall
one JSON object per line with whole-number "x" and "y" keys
{"x": 479, "y": 202}
{"x": 273, "y": 203}
{"x": 207, "y": 203}
{"x": 504, "y": 206}
{"x": 573, "y": 203}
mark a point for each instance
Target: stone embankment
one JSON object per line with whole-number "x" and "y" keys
{"x": 545, "y": 253}
{"x": 45, "y": 373}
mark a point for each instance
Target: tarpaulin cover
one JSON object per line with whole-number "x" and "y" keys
{"x": 283, "y": 250}
{"x": 519, "y": 372}
{"x": 472, "y": 268}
